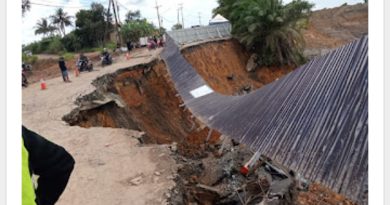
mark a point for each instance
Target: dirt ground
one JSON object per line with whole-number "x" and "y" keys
{"x": 111, "y": 167}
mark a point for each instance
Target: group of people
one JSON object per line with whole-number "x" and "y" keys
{"x": 155, "y": 42}
{"x": 83, "y": 63}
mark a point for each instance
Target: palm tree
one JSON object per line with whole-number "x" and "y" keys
{"x": 268, "y": 27}
{"x": 62, "y": 20}
{"x": 43, "y": 27}
{"x": 25, "y": 6}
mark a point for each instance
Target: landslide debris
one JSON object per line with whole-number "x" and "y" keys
{"x": 216, "y": 178}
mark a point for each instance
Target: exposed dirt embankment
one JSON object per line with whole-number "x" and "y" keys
{"x": 143, "y": 97}
{"x": 139, "y": 97}
{"x": 331, "y": 28}
{"x": 222, "y": 64}
{"x": 46, "y": 67}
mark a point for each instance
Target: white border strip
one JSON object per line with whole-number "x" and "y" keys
{"x": 375, "y": 80}
{"x": 14, "y": 108}
{"x": 3, "y": 117}
{"x": 387, "y": 103}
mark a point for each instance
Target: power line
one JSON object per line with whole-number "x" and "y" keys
{"x": 168, "y": 20}
{"x": 122, "y": 5}
{"x": 57, "y": 6}
{"x": 166, "y": 10}
{"x": 68, "y": 1}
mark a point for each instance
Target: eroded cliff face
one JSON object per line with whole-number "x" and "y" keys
{"x": 222, "y": 65}
{"x": 139, "y": 97}
{"x": 144, "y": 98}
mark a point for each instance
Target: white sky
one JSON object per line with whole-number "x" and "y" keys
{"x": 168, "y": 11}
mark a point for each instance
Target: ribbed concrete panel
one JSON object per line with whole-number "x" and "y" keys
{"x": 190, "y": 35}
{"x": 314, "y": 120}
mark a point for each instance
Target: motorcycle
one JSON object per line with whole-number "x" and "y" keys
{"x": 151, "y": 45}
{"x": 85, "y": 65}
{"x": 106, "y": 59}
{"x": 25, "y": 69}
{"x": 24, "y": 79}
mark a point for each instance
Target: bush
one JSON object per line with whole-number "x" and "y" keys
{"x": 29, "y": 59}
{"x": 111, "y": 45}
{"x": 55, "y": 46}
{"x": 33, "y": 47}
{"x": 68, "y": 56}
{"x": 51, "y": 45}
{"x": 44, "y": 45}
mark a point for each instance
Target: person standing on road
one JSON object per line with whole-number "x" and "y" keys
{"x": 64, "y": 70}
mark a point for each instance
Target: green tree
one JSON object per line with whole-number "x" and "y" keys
{"x": 71, "y": 42}
{"x": 62, "y": 20}
{"x": 161, "y": 31}
{"x": 92, "y": 25}
{"x": 177, "y": 26}
{"x": 133, "y": 16}
{"x": 268, "y": 27}
{"x": 44, "y": 28}
{"x": 135, "y": 29}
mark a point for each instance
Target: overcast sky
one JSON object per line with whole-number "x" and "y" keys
{"x": 168, "y": 11}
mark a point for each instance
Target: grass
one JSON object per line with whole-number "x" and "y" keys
{"x": 67, "y": 55}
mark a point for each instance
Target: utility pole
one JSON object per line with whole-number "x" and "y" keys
{"x": 107, "y": 23}
{"x": 200, "y": 23}
{"x": 114, "y": 8}
{"x": 158, "y": 15}
{"x": 182, "y": 17}
{"x": 178, "y": 21}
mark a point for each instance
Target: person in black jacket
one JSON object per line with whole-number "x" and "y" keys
{"x": 64, "y": 70}
{"x": 51, "y": 162}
